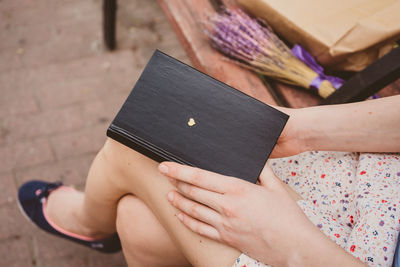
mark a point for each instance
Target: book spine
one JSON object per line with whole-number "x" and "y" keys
{"x": 135, "y": 143}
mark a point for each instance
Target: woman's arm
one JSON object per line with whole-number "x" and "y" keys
{"x": 319, "y": 250}
{"x": 368, "y": 126}
{"x": 261, "y": 220}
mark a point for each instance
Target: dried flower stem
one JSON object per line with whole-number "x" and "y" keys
{"x": 256, "y": 47}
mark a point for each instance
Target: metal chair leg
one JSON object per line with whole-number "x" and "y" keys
{"x": 109, "y": 16}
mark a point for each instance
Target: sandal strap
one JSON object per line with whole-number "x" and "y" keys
{"x": 45, "y": 190}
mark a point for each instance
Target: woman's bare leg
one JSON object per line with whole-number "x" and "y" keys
{"x": 145, "y": 248}
{"x": 118, "y": 171}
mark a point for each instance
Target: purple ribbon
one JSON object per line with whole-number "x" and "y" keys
{"x": 304, "y": 56}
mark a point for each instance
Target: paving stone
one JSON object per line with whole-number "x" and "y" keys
{"x": 72, "y": 171}
{"x": 70, "y": 92}
{"x": 103, "y": 111}
{"x": 116, "y": 260}
{"x": 109, "y": 66}
{"x": 8, "y": 192}
{"x": 13, "y": 59}
{"x": 122, "y": 78}
{"x": 51, "y": 52}
{"x": 146, "y": 29}
{"x": 104, "y": 85}
{"x": 26, "y": 35}
{"x": 78, "y": 143}
{"x": 29, "y": 126}
{"x": 13, "y": 4}
{"x": 43, "y": 172}
{"x": 16, "y": 252}
{"x": 48, "y": 12}
{"x": 68, "y": 261}
{"x": 17, "y": 106}
{"x": 15, "y": 86}
{"x": 25, "y": 154}
{"x": 67, "y": 43}
{"x": 48, "y": 247}
{"x": 14, "y": 225}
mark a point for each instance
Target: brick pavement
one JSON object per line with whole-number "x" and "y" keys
{"x": 59, "y": 90}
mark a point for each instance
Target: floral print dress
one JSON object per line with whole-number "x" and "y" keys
{"x": 353, "y": 198}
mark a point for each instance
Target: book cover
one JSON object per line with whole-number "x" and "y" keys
{"x": 176, "y": 113}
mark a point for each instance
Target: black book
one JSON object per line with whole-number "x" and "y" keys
{"x": 176, "y": 113}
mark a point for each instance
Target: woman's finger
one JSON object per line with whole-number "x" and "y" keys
{"x": 206, "y": 197}
{"x": 194, "y": 209}
{"x": 198, "y": 177}
{"x": 199, "y": 227}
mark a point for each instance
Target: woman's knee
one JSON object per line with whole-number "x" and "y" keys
{"x": 113, "y": 152}
{"x": 120, "y": 162}
{"x": 144, "y": 240}
{"x": 124, "y": 158}
{"x": 131, "y": 213}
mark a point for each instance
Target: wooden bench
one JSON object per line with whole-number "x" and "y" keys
{"x": 185, "y": 17}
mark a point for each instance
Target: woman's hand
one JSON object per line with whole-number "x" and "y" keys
{"x": 260, "y": 220}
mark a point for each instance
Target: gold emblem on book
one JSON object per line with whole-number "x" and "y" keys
{"x": 191, "y": 122}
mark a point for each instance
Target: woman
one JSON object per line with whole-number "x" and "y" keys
{"x": 128, "y": 192}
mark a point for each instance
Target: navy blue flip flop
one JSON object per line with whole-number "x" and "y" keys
{"x": 32, "y": 197}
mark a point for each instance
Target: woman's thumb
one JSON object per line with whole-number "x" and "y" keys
{"x": 267, "y": 175}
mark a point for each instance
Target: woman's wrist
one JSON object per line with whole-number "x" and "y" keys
{"x": 302, "y": 128}
{"x": 313, "y": 128}
{"x": 371, "y": 126}
{"x": 306, "y": 131}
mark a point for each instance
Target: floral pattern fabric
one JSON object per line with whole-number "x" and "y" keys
{"x": 352, "y": 198}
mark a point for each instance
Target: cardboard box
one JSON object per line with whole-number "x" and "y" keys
{"x": 340, "y": 34}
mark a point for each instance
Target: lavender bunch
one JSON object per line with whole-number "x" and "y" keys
{"x": 256, "y": 47}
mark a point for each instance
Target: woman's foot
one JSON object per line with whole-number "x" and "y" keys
{"x": 55, "y": 209}
{"x": 64, "y": 208}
